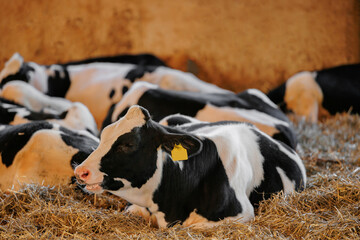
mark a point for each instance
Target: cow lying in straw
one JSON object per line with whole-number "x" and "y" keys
{"x": 41, "y": 152}
{"x": 197, "y": 174}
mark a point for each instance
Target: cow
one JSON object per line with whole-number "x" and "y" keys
{"x": 93, "y": 82}
{"x": 199, "y": 175}
{"x": 318, "y": 94}
{"x": 20, "y": 103}
{"x": 41, "y": 152}
{"x": 251, "y": 106}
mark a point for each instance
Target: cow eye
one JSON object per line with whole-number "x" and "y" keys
{"x": 126, "y": 147}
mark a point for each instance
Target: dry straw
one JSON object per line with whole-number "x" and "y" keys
{"x": 328, "y": 209}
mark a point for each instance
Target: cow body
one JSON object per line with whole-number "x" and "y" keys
{"x": 249, "y": 106}
{"x": 231, "y": 166}
{"x": 22, "y": 103}
{"x": 41, "y": 152}
{"x": 320, "y": 93}
{"x": 94, "y": 82}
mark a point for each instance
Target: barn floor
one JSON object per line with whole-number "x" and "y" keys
{"x": 328, "y": 209}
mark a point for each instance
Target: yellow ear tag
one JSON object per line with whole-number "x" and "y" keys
{"x": 179, "y": 153}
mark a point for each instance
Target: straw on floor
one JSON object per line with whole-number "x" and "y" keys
{"x": 329, "y": 208}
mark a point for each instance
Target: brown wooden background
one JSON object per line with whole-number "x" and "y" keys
{"x": 235, "y": 44}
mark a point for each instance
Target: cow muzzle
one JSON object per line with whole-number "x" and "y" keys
{"x": 84, "y": 177}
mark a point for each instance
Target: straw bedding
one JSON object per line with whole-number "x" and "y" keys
{"x": 329, "y": 208}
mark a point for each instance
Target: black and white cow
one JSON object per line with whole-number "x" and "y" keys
{"x": 41, "y": 152}
{"x": 98, "y": 85}
{"x": 20, "y": 103}
{"x": 230, "y": 167}
{"x": 249, "y": 106}
{"x": 320, "y": 93}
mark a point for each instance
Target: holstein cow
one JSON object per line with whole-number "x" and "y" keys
{"x": 250, "y": 106}
{"x": 98, "y": 82}
{"x": 41, "y": 152}
{"x": 320, "y": 93}
{"x": 197, "y": 175}
{"x": 21, "y": 103}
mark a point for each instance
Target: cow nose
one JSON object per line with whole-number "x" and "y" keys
{"x": 82, "y": 174}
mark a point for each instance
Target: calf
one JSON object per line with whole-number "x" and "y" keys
{"x": 320, "y": 93}
{"x": 21, "y": 103}
{"x": 250, "y": 106}
{"x": 41, "y": 152}
{"x": 226, "y": 168}
{"x": 98, "y": 82}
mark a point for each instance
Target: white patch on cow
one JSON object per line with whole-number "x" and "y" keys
{"x": 20, "y": 112}
{"x": 173, "y": 79}
{"x": 238, "y": 149}
{"x": 303, "y": 95}
{"x": 2, "y": 127}
{"x": 92, "y": 83}
{"x": 131, "y": 97}
{"x": 79, "y": 117}
{"x": 288, "y": 185}
{"x": 263, "y": 121}
{"x": 197, "y": 221}
{"x": 45, "y": 159}
{"x": 51, "y": 71}
{"x": 139, "y": 211}
{"x": 25, "y": 94}
{"x": 12, "y": 66}
{"x": 262, "y": 96}
{"x": 38, "y": 77}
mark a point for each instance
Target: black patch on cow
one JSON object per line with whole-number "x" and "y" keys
{"x": 274, "y": 157}
{"x": 139, "y": 71}
{"x": 341, "y": 88}
{"x": 202, "y": 184}
{"x": 277, "y": 95}
{"x": 63, "y": 115}
{"x": 177, "y": 120}
{"x": 59, "y": 83}
{"x": 286, "y": 135}
{"x": 161, "y": 103}
{"x": 6, "y": 115}
{"x": 112, "y": 93}
{"x": 145, "y": 59}
{"x": 22, "y": 74}
{"x": 111, "y": 184}
{"x": 124, "y": 89}
{"x": 84, "y": 144}
{"x": 107, "y": 120}
{"x": 14, "y": 138}
{"x": 125, "y": 160}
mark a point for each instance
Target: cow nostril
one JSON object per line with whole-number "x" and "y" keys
{"x": 84, "y": 174}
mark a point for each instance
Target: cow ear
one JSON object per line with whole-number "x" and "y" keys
{"x": 192, "y": 144}
{"x": 12, "y": 66}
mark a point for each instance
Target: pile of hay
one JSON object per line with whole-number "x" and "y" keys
{"x": 328, "y": 209}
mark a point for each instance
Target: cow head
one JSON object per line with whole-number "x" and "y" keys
{"x": 303, "y": 95}
{"x": 130, "y": 154}
{"x": 16, "y": 69}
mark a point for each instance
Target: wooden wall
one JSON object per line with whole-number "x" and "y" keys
{"x": 235, "y": 44}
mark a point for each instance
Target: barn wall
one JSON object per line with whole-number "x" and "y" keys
{"x": 235, "y": 44}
